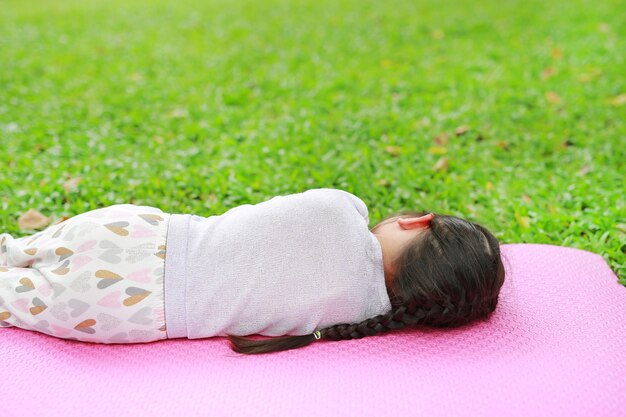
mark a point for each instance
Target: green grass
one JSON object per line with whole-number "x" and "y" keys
{"x": 199, "y": 106}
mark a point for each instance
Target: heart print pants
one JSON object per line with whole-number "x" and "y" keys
{"x": 95, "y": 277}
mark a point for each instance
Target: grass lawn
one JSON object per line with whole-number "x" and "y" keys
{"x": 508, "y": 113}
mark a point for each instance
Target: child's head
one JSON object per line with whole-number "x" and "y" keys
{"x": 447, "y": 274}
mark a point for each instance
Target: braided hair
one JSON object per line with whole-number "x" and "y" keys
{"x": 448, "y": 276}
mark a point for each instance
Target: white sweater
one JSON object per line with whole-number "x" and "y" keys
{"x": 290, "y": 265}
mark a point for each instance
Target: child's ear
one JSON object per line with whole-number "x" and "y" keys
{"x": 410, "y": 221}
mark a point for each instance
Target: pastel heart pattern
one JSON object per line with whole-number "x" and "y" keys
{"x": 139, "y": 252}
{"x": 63, "y": 269}
{"x": 30, "y": 251}
{"x": 21, "y": 304}
{"x": 111, "y": 255}
{"x": 107, "y": 277}
{"x": 141, "y": 316}
{"x": 153, "y": 219}
{"x": 119, "y": 337}
{"x": 161, "y": 252}
{"x": 42, "y": 325}
{"x": 141, "y": 275}
{"x": 60, "y": 331}
{"x": 39, "y": 306}
{"x": 136, "y": 295}
{"x": 118, "y": 228}
{"x": 58, "y": 289}
{"x": 89, "y": 245}
{"x": 58, "y": 232}
{"x": 108, "y": 322}
{"x": 63, "y": 253}
{"x": 111, "y": 300}
{"x": 20, "y": 323}
{"x": 137, "y": 334}
{"x": 107, "y": 244}
{"x": 58, "y": 311}
{"x": 27, "y": 285}
{"x": 79, "y": 261}
{"x": 69, "y": 235}
{"x": 77, "y": 307}
{"x": 81, "y": 282}
{"x": 45, "y": 289}
{"x": 85, "y": 228}
{"x": 86, "y": 326}
{"x": 73, "y": 261}
{"x": 140, "y": 231}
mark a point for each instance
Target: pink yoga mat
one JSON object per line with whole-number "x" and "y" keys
{"x": 555, "y": 346}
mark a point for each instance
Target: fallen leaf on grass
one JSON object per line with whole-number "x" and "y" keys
{"x": 442, "y": 139}
{"x": 32, "y": 219}
{"x": 71, "y": 184}
{"x": 437, "y": 150}
{"x": 547, "y": 73}
{"x": 523, "y": 221}
{"x": 441, "y": 164}
{"x": 553, "y": 97}
{"x": 503, "y": 145}
{"x": 589, "y": 76}
{"x": 393, "y": 150}
{"x": 461, "y": 130}
{"x": 556, "y": 53}
{"x": 618, "y": 100}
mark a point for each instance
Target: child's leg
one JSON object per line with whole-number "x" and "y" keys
{"x": 96, "y": 277}
{"x": 25, "y": 294}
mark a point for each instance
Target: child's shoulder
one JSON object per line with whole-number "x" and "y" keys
{"x": 336, "y": 193}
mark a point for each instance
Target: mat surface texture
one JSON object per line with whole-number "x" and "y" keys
{"x": 555, "y": 346}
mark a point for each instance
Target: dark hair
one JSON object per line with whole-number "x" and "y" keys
{"x": 448, "y": 276}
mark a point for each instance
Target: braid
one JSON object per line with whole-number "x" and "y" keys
{"x": 445, "y": 314}
{"x": 433, "y": 314}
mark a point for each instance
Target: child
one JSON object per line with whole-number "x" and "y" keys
{"x": 303, "y": 265}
